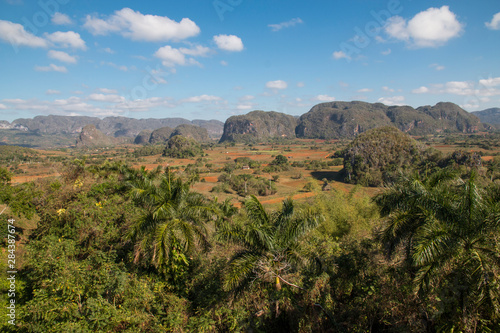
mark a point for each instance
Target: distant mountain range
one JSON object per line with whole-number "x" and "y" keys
{"x": 333, "y": 120}
{"x": 490, "y": 116}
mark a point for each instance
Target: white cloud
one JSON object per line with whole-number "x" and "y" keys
{"x": 61, "y": 56}
{"x": 421, "y": 90}
{"x": 172, "y": 57}
{"x": 106, "y": 98}
{"x": 108, "y": 91}
{"x": 67, "y": 39}
{"x": 3, "y": 107}
{"x": 301, "y": 84}
{"x": 365, "y": 90}
{"x": 224, "y": 63}
{"x": 395, "y": 100}
{"x": 52, "y": 92}
{"x": 202, "y": 98}
{"x": 491, "y": 82}
{"x": 495, "y": 22}
{"x": 246, "y": 98}
{"x": 430, "y": 28}
{"x": 197, "y": 51}
{"x": 16, "y": 35}
{"x": 140, "y": 27}
{"x": 61, "y": 19}
{"x": 323, "y": 98}
{"x": 437, "y": 67}
{"x": 340, "y": 55}
{"x": 109, "y": 50}
{"x": 288, "y": 24}
{"x": 387, "y": 89}
{"x": 243, "y": 107}
{"x": 229, "y": 43}
{"x": 481, "y": 89}
{"x": 278, "y": 84}
{"x": 51, "y": 68}
{"x": 386, "y": 52}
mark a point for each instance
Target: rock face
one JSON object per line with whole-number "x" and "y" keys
{"x": 160, "y": 135}
{"x": 191, "y": 131}
{"x": 347, "y": 119}
{"x": 91, "y": 137}
{"x": 143, "y": 137}
{"x": 258, "y": 125}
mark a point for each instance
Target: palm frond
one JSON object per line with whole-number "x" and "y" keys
{"x": 239, "y": 269}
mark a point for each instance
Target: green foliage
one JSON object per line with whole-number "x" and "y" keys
{"x": 181, "y": 147}
{"x": 271, "y": 243}
{"x": 379, "y": 155}
{"x": 245, "y": 184}
{"x": 449, "y": 229}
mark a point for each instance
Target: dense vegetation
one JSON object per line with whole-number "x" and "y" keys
{"x": 181, "y": 147}
{"x": 105, "y": 247}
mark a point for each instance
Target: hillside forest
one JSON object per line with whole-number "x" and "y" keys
{"x": 384, "y": 232}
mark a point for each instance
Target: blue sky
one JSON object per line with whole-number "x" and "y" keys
{"x": 210, "y": 59}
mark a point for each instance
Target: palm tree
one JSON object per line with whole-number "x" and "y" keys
{"x": 270, "y": 243}
{"x": 173, "y": 222}
{"x": 449, "y": 230}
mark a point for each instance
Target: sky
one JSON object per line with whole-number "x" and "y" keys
{"x": 212, "y": 59}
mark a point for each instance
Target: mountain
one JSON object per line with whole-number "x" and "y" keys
{"x": 91, "y": 137}
{"x": 111, "y": 126}
{"x": 160, "y": 135}
{"x": 335, "y": 120}
{"x": 258, "y": 125}
{"x": 490, "y": 116}
{"x": 191, "y": 131}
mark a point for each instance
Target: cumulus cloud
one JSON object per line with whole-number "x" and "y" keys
{"x": 494, "y": 24}
{"x": 172, "y": 57}
{"x": 481, "y": 89}
{"x": 61, "y": 19}
{"x": 437, "y": 67}
{"x": 395, "y": 100}
{"x": 140, "y": 27}
{"x": 61, "y": 56}
{"x": 491, "y": 82}
{"x": 2, "y": 107}
{"x": 430, "y": 28}
{"x": 387, "y": 89}
{"x": 51, "y": 68}
{"x": 196, "y": 51}
{"x": 108, "y": 91}
{"x": 106, "y": 98}
{"x": 421, "y": 90}
{"x": 278, "y": 85}
{"x": 340, "y": 55}
{"x": 323, "y": 98}
{"x": 288, "y": 24}
{"x": 365, "y": 90}
{"x": 386, "y": 52}
{"x": 15, "y": 34}
{"x": 243, "y": 107}
{"x": 52, "y": 92}
{"x": 69, "y": 39}
{"x": 201, "y": 98}
{"x": 229, "y": 43}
